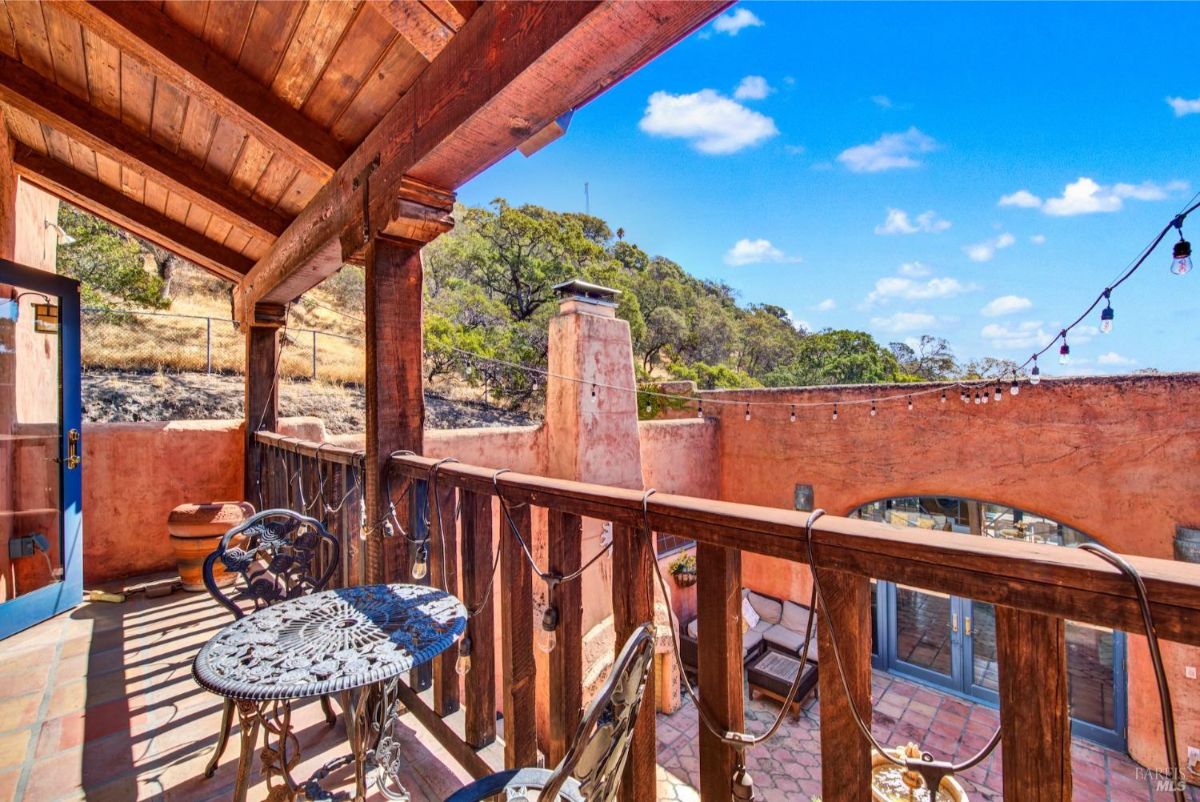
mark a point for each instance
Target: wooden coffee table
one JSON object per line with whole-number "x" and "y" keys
{"x": 773, "y": 672}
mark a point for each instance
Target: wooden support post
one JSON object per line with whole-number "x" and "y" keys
{"x": 480, "y": 683}
{"x": 443, "y": 573}
{"x": 1032, "y": 653}
{"x": 395, "y": 393}
{"x": 846, "y": 755}
{"x": 564, "y": 541}
{"x": 516, "y": 623}
{"x": 719, "y": 672}
{"x": 633, "y": 606}
{"x": 262, "y": 401}
{"x": 8, "y": 194}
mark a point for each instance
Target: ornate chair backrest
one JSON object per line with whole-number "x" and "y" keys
{"x": 597, "y": 755}
{"x": 277, "y": 555}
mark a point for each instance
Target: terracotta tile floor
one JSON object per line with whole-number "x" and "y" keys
{"x": 99, "y": 704}
{"x": 788, "y": 767}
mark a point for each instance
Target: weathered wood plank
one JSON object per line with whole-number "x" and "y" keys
{"x": 633, "y": 606}
{"x": 118, "y": 209}
{"x": 519, "y": 677}
{"x": 846, "y": 769}
{"x": 418, "y": 25}
{"x": 481, "y": 629}
{"x": 26, "y": 90}
{"x": 262, "y": 395}
{"x": 564, "y": 547}
{"x": 8, "y": 194}
{"x": 395, "y": 404}
{"x": 181, "y": 58}
{"x": 719, "y": 669}
{"x": 443, "y": 573}
{"x": 1031, "y": 650}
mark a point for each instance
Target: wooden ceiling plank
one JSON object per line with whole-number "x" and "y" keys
{"x": 185, "y": 61}
{"x": 416, "y": 23}
{"x": 103, "y": 73}
{"x": 362, "y": 48}
{"x": 199, "y": 127}
{"x": 8, "y": 43}
{"x": 25, "y": 128}
{"x": 113, "y": 206}
{"x": 133, "y": 184}
{"x": 385, "y": 85}
{"x": 451, "y": 14}
{"x": 320, "y": 30}
{"x": 66, "y": 48}
{"x": 226, "y": 26}
{"x": 554, "y": 56}
{"x": 33, "y": 45}
{"x": 272, "y": 26}
{"x": 166, "y": 122}
{"x": 32, "y": 94}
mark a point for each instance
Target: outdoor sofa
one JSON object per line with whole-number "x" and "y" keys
{"x": 780, "y": 626}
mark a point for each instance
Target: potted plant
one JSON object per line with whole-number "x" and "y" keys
{"x": 683, "y": 570}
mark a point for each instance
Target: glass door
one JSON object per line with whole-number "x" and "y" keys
{"x": 925, "y": 634}
{"x": 41, "y": 568}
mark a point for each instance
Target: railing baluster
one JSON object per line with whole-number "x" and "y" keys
{"x": 564, "y": 539}
{"x": 846, "y": 755}
{"x": 1032, "y": 653}
{"x": 443, "y": 564}
{"x": 719, "y": 672}
{"x": 633, "y": 605}
{"x": 480, "y": 682}
{"x": 519, "y": 686}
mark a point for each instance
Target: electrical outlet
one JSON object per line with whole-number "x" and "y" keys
{"x": 1189, "y": 672}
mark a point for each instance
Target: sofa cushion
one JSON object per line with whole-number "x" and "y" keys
{"x": 795, "y": 616}
{"x": 790, "y": 640}
{"x": 750, "y": 639}
{"x": 767, "y": 609}
{"x": 750, "y": 616}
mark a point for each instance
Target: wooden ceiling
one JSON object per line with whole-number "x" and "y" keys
{"x": 229, "y": 130}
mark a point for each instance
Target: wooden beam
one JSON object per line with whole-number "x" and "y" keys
{"x": 121, "y": 210}
{"x": 564, "y": 545}
{"x": 633, "y": 606}
{"x": 419, "y": 26}
{"x": 519, "y": 677}
{"x": 846, "y": 769}
{"x": 262, "y": 401}
{"x": 443, "y": 564}
{"x": 142, "y": 31}
{"x": 719, "y": 669}
{"x": 480, "y": 713}
{"x": 8, "y": 194}
{"x": 395, "y": 404}
{"x": 1031, "y": 650}
{"x": 512, "y": 69}
{"x": 26, "y": 91}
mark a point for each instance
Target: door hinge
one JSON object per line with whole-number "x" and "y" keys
{"x": 73, "y": 458}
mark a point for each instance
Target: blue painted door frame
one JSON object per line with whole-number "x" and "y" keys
{"x": 43, "y": 603}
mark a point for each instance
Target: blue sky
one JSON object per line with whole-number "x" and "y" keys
{"x": 848, "y": 162}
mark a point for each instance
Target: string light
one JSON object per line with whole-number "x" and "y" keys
{"x": 421, "y": 567}
{"x": 1181, "y": 256}
{"x": 943, "y": 396}
{"x": 962, "y": 396}
{"x": 747, "y": 411}
{"x": 977, "y": 401}
{"x": 700, "y": 410}
{"x": 793, "y": 415}
{"x": 835, "y": 411}
{"x": 1064, "y": 350}
{"x": 910, "y": 403}
{"x": 593, "y": 390}
{"x": 999, "y": 393}
{"x": 1035, "y": 375}
{"x": 463, "y": 664}
{"x": 1106, "y": 314}
{"x": 1016, "y": 388}
{"x": 547, "y": 639}
{"x": 984, "y": 398}
{"x": 872, "y": 408}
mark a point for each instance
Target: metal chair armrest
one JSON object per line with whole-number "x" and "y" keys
{"x": 498, "y": 783}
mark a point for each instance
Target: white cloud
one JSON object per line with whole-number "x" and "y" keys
{"x": 882, "y": 101}
{"x": 1006, "y": 305}
{"x": 1085, "y": 196}
{"x": 1113, "y": 358}
{"x": 735, "y": 21}
{"x": 712, "y": 122}
{"x": 1022, "y": 198}
{"x": 828, "y": 305}
{"x": 915, "y": 269}
{"x": 752, "y": 87}
{"x": 1038, "y": 239}
{"x": 801, "y": 325}
{"x": 897, "y": 222}
{"x": 906, "y": 289}
{"x": 985, "y": 251}
{"x": 889, "y": 152}
{"x": 1183, "y": 106}
{"x": 904, "y": 321}
{"x": 794, "y": 150}
{"x": 756, "y": 251}
{"x": 1006, "y": 336}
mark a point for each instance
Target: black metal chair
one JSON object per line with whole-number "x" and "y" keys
{"x": 591, "y": 770}
{"x": 276, "y": 555}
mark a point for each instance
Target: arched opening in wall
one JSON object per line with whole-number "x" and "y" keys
{"x": 950, "y": 641}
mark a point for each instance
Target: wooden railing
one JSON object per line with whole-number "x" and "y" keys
{"x": 1035, "y": 589}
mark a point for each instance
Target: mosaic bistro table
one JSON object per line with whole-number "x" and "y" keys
{"x": 352, "y": 643}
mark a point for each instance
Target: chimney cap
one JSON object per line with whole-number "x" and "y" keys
{"x": 580, "y": 290}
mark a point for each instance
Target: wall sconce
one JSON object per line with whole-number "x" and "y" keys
{"x": 45, "y": 318}
{"x": 63, "y": 237}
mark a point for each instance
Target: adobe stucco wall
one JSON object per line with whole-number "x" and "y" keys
{"x": 1113, "y": 457}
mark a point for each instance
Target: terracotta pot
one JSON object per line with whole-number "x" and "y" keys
{"x": 196, "y": 531}
{"x": 950, "y": 788}
{"x": 684, "y": 579}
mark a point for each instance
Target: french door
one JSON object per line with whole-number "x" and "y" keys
{"x": 41, "y": 560}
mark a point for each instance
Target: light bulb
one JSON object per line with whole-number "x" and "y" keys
{"x": 700, "y": 410}
{"x": 910, "y": 404}
{"x": 835, "y": 411}
{"x": 962, "y": 396}
{"x": 593, "y": 391}
{"x": 943, "y": 396}
{"x": 1016, "y": 388}
{"x": 463, "y": 664}
{"x": 421, "y": 566}
{"x": 984, "y": 398}
{"x": 1106, "y": 315}
{"x": 1064, "y": 354}
{"x": 547, "y": 639}
{"x": 1181, "y": 259}
{"x": 872, "y": 409}
{"x": 793, "y": 416}
{"x": 977, "y": 401}
{"x": 1035, "y": 375}
{"x": 747, "y": 412}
